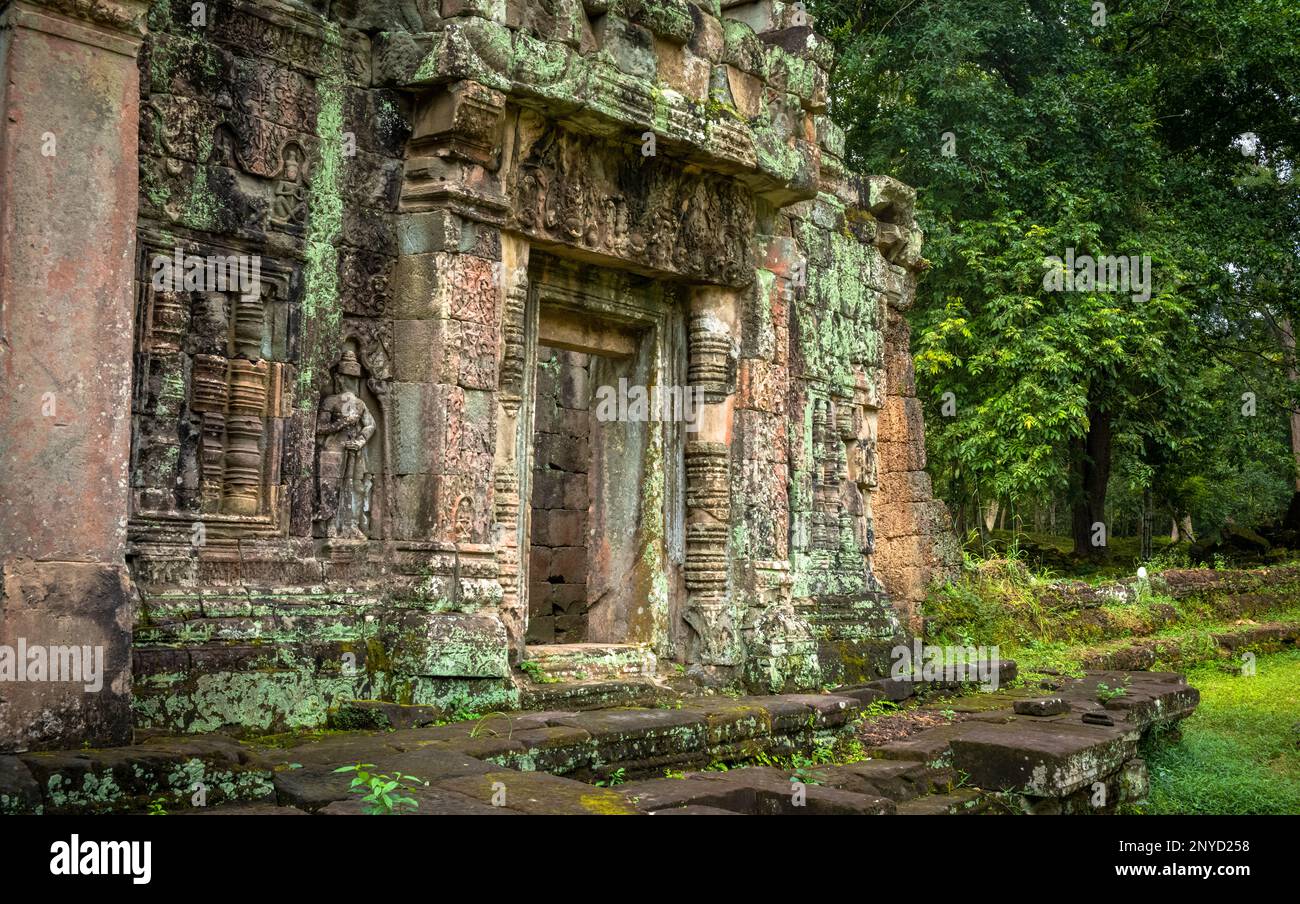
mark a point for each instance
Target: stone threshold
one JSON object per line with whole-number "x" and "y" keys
{"x": 997, "y": 759}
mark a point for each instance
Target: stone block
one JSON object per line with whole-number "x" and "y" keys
{"x": 569, "y": 563}
{"x": 682, "y": 70}
{"x": 747, "y": 91}
{"x": 445, "y": 644}
{"x": 68, "y": 627}
{"x": 706, "y": 40}
{"x": 548, "y": 489}
{"x": 575, "y": 388}
{"x": 629, "y": 46}
{"x": 561, "y": 528}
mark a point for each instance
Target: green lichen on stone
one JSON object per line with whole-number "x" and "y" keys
{"x": 839, "y": 316}
{"x": 97, "y": 793}
{"x": 795, "y": 74}
{"x": 652, "y": 532}
{"x": 669, "y": 19}
{"x": 321, "y": 308}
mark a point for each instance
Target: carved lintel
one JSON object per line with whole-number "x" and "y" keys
{"x": 114, "y": 25}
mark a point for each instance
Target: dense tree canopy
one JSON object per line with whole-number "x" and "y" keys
{"x": 1037, "y": 132}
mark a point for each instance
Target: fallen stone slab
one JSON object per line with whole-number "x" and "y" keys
{"x": 314, "y": 786}
{"x": 727, "y": 720}
{"x": 1276, "y": 634}
{"x": 430, "y": 802}
{"x": 119, "y": 779}
{"x": 959, "y": 802}
{"x": 782, "y": 793}
{"x": 898, "y": 780}
{"x": 539, "y": 793}
{"x": 1041, "y": 706}
{"x": 1041, "y": 759}
{"x": 1096, "y": 717}
{"x": 932, "y": 746}
{"x": 654, "y": 795}
{"x": 829, "y": 710}
{"x": 695, "y": 811}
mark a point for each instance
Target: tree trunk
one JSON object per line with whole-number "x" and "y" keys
{"x": 1147, "y": 517}
{"x": 1293, "y": 374}
{"x": 1292, "y": 521}
{"x": 1091, "y": 466}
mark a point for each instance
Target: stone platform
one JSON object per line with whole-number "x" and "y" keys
{"x": 1081, "y": 755}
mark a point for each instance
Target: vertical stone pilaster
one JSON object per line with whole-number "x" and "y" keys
{"x": 511, "y": 460}
{"x": 69, "y": 108}
{"x": 711, "y": 367}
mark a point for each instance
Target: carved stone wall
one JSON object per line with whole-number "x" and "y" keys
{"x": 332, "y": 457}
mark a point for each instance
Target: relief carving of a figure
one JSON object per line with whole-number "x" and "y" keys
{"x": 345, "y": 479}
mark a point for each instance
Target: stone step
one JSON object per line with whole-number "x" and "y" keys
{"x": 595, "y": 694}
{"x": 755, "y": 791}
{"x": 117, "y": 779}
{"x": 959, "y": 802}
{"x": 896, "y": 690}
{"x": 1056, "y": 755}
{"x": 548, "y": 663}
{"x": 1186, "y": 649}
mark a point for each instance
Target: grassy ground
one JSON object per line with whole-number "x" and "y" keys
{"x": 1240, "y": 752}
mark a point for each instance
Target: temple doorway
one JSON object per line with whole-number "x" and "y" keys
{"x": 604, "y": 466}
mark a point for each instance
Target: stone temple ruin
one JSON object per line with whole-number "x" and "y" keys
{"x": 365, "y": 350}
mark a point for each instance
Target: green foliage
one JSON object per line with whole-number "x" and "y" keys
{"x": 534, "y": 671}
{"x": 617, "y": 777}
{"x": 382, "y": 794}
{"x": 1114, "y": 139}
{"x": 1105, "y": 692}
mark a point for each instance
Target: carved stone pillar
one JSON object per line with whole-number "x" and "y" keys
{"x": 510, "y": 462}
{"x": 711, "y": 366}
{"x": 68, "y": 195}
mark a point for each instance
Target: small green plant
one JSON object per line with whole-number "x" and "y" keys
{"x": 533, "y": 669}
{"x": 481, "y": 725}
{"x": 381, "y": 793}
{"x": 674, "y": 773}
{"x": 158, "y": 807}
{"x": 1106, "y": 692}
{"x": 617, "y": 777}
{"x": 880, "y": 708}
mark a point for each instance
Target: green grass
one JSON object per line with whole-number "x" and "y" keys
{"x": 1238, "y": 753}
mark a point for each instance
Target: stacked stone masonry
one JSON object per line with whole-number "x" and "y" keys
{"x": 317, "y": 479}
